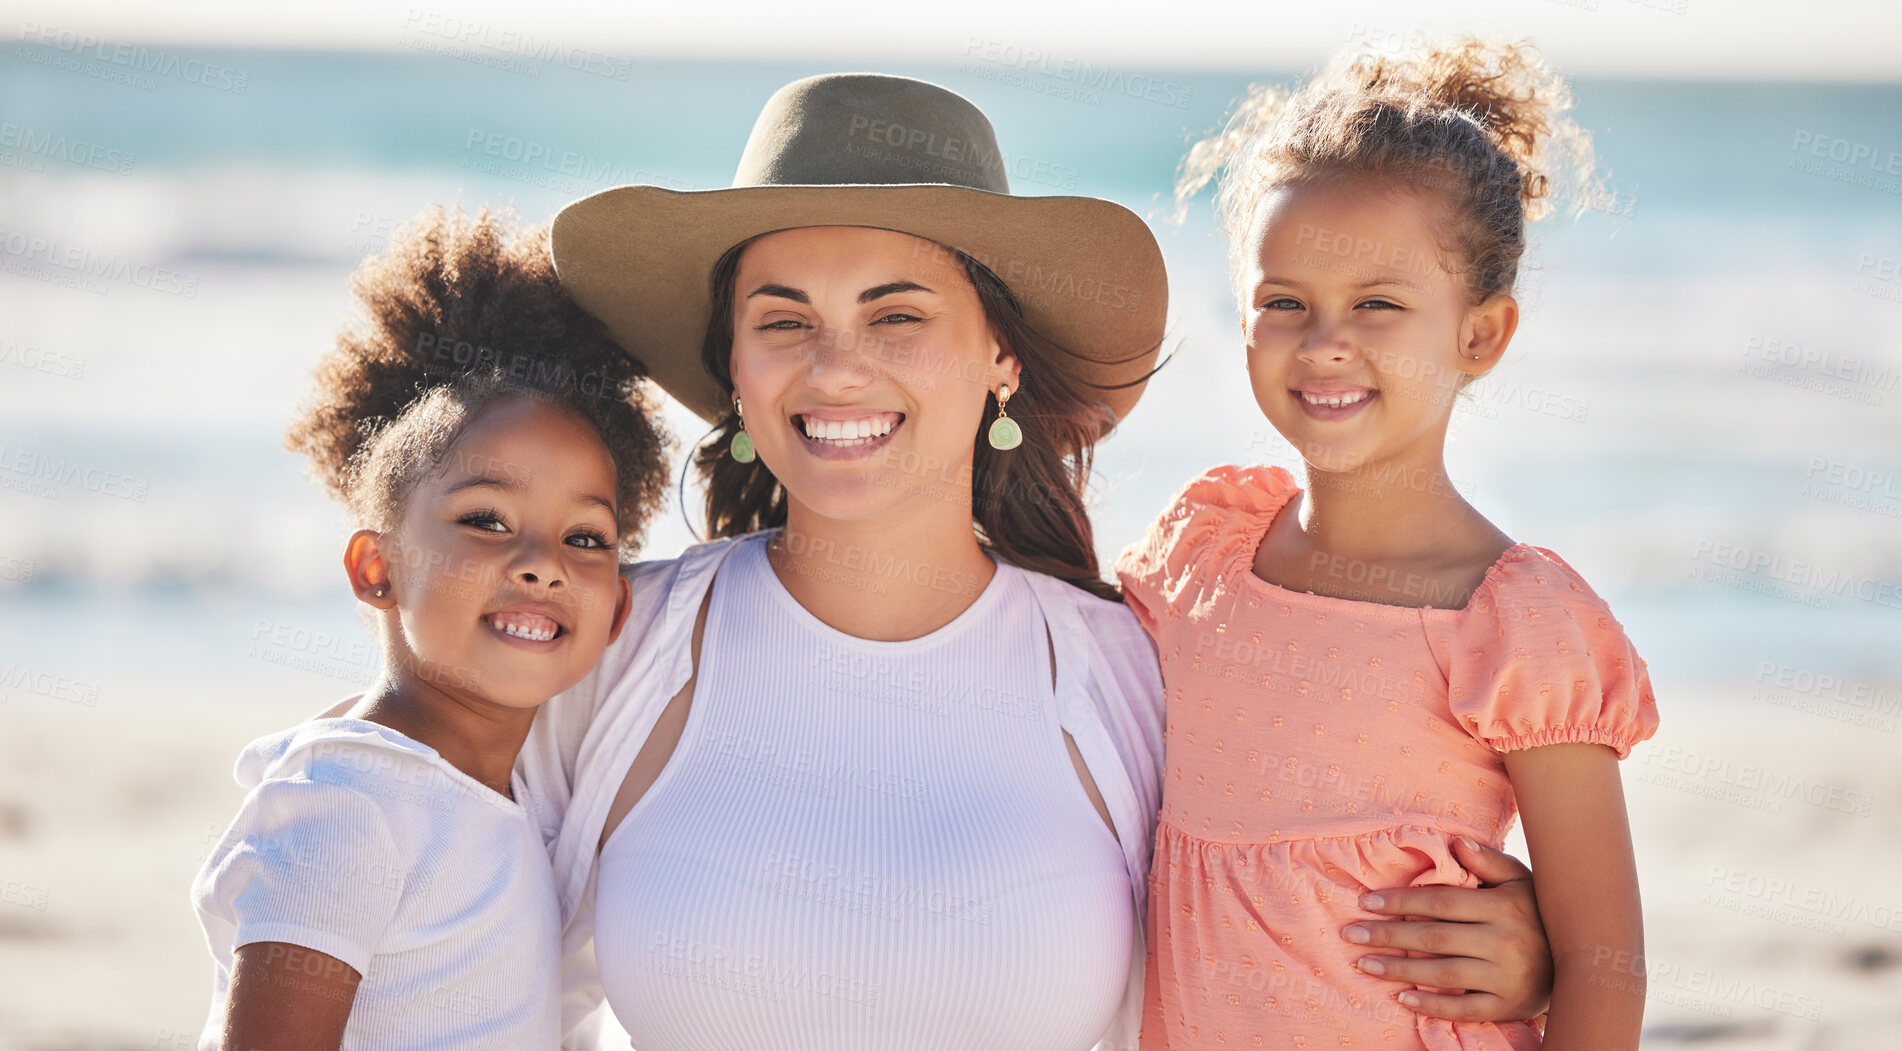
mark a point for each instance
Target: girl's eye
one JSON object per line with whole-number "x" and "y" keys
{"x": 486, "y": 521}
{"x": 1281, "y": 303}
{"x": 1381, "y": 304}
{"x": 784, "y": 324}
{"x": 588, "y": 538}
{"x": 898, "y": 318}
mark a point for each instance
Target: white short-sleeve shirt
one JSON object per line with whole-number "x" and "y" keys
{"x": 365, "y": 845}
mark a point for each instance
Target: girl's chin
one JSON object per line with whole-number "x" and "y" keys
{"x": 1332, "y": 456}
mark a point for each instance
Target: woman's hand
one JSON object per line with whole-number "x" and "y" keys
{"x": 1487, "y": 940}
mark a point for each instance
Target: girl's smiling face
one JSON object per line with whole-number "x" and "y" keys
{"x": 1358, "y": 337}
{"x": 862, "y": 359}
{"x": 503, "y": 569}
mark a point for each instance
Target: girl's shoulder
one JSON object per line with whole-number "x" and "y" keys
{"x": 1244, "y": 491}
{"x": 353, "y": 765}
{"x": 1205, "y": 525}
{"x": 1531, "y": 589}
{"x": 334, "y": 749}
{"x": 1536, "y": 657}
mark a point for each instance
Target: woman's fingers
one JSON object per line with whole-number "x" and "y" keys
{"x": 1458, "y": 904}
{"x": 1442, "y": 972}
{"x": 1445, "y": 939}
{"x": 1458, "y": 1007}
{"x": 1487, "y": 940}
{"x": 1491, "y": 866}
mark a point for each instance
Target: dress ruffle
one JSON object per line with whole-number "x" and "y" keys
{"x": 1257, "y": 927}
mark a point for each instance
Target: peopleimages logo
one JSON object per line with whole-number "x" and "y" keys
{"x": 136, "y": 58}
{"x": 505, "y": 41}
{"x": 45, "y": 144}
{"x": 34, "y": 255}
{"x": 1774, "y": 568}
{"x": 38, "y": 467}
{"x": 1750, "y": 785}
{"x": 1072, "y": 71}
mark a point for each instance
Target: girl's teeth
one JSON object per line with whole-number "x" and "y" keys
{"x": 1335, "y": 401}
{"x": 541, "y": 632}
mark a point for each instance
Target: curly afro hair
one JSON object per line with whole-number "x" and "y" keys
{"x": 461, "y": 314}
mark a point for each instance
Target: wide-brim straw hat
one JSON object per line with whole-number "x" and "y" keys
{"x": 866, "y": 149}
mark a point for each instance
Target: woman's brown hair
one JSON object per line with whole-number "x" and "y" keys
{"x": 1026, "y": 503}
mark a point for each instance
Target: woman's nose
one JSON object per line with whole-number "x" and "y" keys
{"x": 838, "y": 361}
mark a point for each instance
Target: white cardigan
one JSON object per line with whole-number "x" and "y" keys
{"x": 1109, "y": 694}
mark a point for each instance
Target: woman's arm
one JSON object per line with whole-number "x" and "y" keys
{"x": 1574, "y": 809}
{"x": 1488, "y": 940}
{"x": 285, "y": 997}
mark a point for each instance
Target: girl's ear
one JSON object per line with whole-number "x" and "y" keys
{"x": 369, "y": 573}
{"x": 1485, "y": 333}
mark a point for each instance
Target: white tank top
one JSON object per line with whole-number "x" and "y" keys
{"x": 865, "y": 845}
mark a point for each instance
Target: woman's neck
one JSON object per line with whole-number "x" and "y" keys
{"x": 477, "y": 737}
{"x": 887, "y": 579}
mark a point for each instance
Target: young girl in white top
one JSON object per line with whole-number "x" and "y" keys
{"x": 385, "y": 883}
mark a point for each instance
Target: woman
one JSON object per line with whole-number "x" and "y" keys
{"x": 877, "y": 767}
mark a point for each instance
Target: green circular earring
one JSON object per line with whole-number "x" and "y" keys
{"x": 741, "y": 447}
{"x": 1005, "y": 434}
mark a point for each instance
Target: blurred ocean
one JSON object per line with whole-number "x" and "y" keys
{"x": 1701, "y": 410}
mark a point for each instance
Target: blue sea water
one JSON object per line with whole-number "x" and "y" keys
{"x": 1701, "y": 410}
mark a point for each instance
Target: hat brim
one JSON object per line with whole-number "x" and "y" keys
{"x": 1087, "y": 273}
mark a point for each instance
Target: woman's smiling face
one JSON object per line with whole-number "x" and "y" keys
{"x": 862, "y": 359}
{"x": 1358, "y": 338}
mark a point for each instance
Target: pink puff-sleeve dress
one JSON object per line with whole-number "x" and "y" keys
{"x": 1319, "y": 747}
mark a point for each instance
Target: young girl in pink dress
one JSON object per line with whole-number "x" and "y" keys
{"x": 1359, "y": 668}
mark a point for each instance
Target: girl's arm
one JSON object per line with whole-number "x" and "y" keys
{"x": 287, "y": 998}
{"x": 1574, "y": 809}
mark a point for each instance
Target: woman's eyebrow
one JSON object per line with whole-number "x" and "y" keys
{"x": 781, "y": 292}
{"x": 892, "y": 288}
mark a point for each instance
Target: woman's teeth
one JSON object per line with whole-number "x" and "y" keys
{"x": 1335, "y": 401}
{"x": 850, "y": 432}
{"x": 526, "y": 626}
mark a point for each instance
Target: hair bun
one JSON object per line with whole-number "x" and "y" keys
{"x": 1481, "y": 126}
{"x": 1507, "y": 89}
